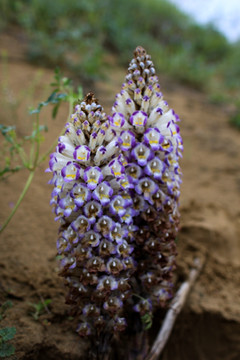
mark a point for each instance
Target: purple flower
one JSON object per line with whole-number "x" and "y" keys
{"x": 91, "y": 310}
{"x": 138, "y": 204}
{"x": 92, "y": 210}
{"x": 127, "y": 217}
{"x": 82, "y": 253}
{"x": 91, "y": 238}
{"x": 70, "y": 172}
{"x": 62, "y": 245}
{"x": 147, "y": 187}
{"x": 68, "y": 205}
{"x": 118, "y": 233}
{"x": 139, "y": 118}
{"x": 81, "y": 153}
{"x": 80, "y": 194}
{"x": 117, "y": 120}
{"x": 116, "y": 168}
{"x": 107, "y": 284}
{"x": 155, "y": 168}
{"x": 120, "y": 324}
{"x": 166, "y": 146}
{"x": 124, "y": 182}
{"x": 163, "y": 295}
{"x": 103, "y": 193}
{"x": 112, "y": 304}
{"x": 84, "y": 329}
{"x": 93, "y": 176}
{"x": 143, "y": 306}
{"x": 127, "y": 140}
{"x": 117, "y": 206}
{"x": 81, "y": 224}
{"x": 153, "y": 138}
{"x": 124, "y": 249}
{"x": 134, "y": 172}
{"x": 141, "y": 153}
{"x": 104, "y": 225}
{"x": 114, "y": 266}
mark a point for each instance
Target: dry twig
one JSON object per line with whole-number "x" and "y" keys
{"x": 175, "y": 308}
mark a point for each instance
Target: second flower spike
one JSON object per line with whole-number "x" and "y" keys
{"x": 149, "y": 139}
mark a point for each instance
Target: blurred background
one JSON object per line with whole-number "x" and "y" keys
{"x": 196, "y": 43}
{"x": 195, "y": 46}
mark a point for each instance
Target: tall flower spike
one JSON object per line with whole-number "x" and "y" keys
{"x": 149, "y": 139}
{"x": 116, "y": 190}
{"x": 90, "y": 202}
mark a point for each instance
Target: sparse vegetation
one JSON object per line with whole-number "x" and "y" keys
{"x": 79, "y": 35}
{"x": 15, "y": 155}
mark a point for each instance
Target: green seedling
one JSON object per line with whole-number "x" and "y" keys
{"x": 4, "y": 307}
{"x": 40, "y": 308}
{"x": 147, "y": 321}
{"x": 6, "y": 334}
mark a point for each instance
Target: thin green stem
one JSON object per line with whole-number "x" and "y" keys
{"x": 20, "y": 151}
{"x": 31, "y": 153}
{"x": 37, "y": 142}
{"x": 33, "y": 165}
{"x": 23, "y": 193}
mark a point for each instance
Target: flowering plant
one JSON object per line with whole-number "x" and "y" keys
{"x": 116, "y": 189}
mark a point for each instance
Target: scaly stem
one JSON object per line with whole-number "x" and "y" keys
{"x": 23, "y": 193}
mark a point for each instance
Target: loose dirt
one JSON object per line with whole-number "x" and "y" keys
{"x": 209, "y": 325}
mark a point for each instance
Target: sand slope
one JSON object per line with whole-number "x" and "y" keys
{"x": 209, "y": 326}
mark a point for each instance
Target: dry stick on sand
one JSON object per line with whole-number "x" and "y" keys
{"x": 175, "y": 308}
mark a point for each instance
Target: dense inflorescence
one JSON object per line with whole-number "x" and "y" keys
{"x": 149, "y": 139}
{"x": 116, "y": 189}
{"x": 91, "y": 202}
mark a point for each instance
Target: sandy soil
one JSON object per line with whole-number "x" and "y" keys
{"x": 209, "y": 326}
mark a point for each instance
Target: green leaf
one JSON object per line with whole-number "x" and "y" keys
{"x": 6, "y": 305}
{"x": 55, "y": 110}
{"x": 39, "y": 307}
{"x": 66, "y": 81}
{"x": 6, "y": 170}
{"x": 6, "y": 350}
{"x": 146, "y": 321}
{"x": 34, "y": 111}
{"x": 35, "y": 133}
{"x": 54, "y": 98}
{"x": 7, "y": 333}
{"x": 47, "y": 302}
{"x": 61, "y": 96}
{"x": 6, "y": 129}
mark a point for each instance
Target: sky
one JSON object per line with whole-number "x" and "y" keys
{"x": 224, "y": 14}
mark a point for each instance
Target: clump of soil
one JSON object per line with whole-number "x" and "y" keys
{"x": 209, "y": 326}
